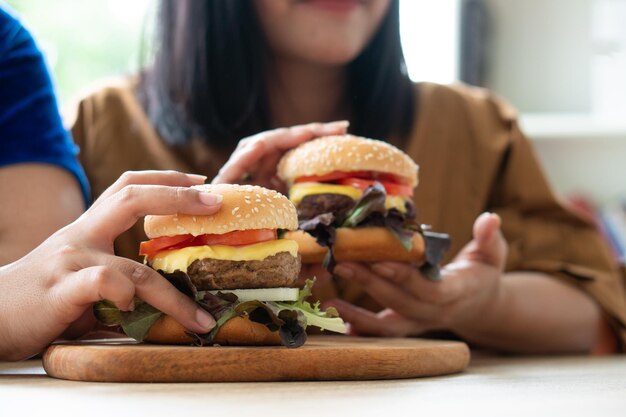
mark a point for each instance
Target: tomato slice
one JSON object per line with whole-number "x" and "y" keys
{"x": 390, "y": 187}
{"x": 236, "y": 238}
{"x": 337, "y": 176}
{"x": 333, "y": 176}
{"x": 153, "y": 246}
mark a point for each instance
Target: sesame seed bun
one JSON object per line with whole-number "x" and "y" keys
{"x": 244, "y": 207}
{"x": 346, "y": 153}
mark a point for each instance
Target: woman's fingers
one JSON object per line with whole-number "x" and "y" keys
{"x": 97, "y": 283}
{"x": 411, "y": 280}
{"x": 387, "y": 293}
{"x": 119, "y": 280}
{"x": 272, "y": 143}
{"x": 154, "y": 289}
{"x": 169, "y": 178}
{"x": 120, "y": 211}
{"x": 488, "y": 245}
{"x": 365, "y": 322}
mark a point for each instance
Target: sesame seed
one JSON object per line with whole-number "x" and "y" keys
{"x": 234, "y": 210}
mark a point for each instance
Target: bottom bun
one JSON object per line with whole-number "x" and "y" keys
{"x": 367, "y": 244}
{"x": 238, "y": 331}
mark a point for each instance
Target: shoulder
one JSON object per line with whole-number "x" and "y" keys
{"x": 472, "y": 102}
{"x": 9, "y": 25}
{"x": 16, "y": 42}
{"x": 117, "y": 95}
{"x": 108, "y": 107}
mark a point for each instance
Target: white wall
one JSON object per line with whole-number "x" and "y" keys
{"x": 582, "y": 155}
{"x": 539, "y": 57}
{"x": 562, "y": 63}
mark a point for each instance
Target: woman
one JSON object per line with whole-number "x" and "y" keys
{"x": 227, "y": 69}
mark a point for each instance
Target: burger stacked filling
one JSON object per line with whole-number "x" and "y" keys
{"x": 235, "y": 260}
{"x": 237, "y": 270}
{"x": 354, "y": 199}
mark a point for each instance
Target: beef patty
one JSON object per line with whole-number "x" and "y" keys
{"x": 312, "y": 205}
{"x": 280, "y": 270}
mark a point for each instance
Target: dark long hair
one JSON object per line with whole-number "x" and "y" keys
{"x": 208, "y": 77}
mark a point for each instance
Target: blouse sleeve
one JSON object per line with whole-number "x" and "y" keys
{"x": 545, "y": 236}
{"x": 31, "y": 129}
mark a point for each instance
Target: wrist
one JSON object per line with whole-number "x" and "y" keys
{"x": 489, "y": 316}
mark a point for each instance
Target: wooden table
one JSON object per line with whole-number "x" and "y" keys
{"x": 491, "y": 386}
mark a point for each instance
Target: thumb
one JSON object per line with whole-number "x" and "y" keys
{"x": 488, "y": 245}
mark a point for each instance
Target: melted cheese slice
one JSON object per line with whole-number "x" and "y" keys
{"x": 301, "y": 190}
{"x": 180, "y": 259}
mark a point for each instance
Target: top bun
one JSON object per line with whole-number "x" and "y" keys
{"x": 244, "y": 207}
{"x": 346, "y": 153}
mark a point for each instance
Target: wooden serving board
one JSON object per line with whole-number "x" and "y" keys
{"x": 321, "y": 358}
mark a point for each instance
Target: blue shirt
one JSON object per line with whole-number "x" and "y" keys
{"x": 31, "y": 129}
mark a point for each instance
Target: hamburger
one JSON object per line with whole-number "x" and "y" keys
{"x": 354, "y": 198}
{"x": 237, "y": 265}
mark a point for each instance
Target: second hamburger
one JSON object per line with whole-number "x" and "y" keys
{"x": 354, "y": 202}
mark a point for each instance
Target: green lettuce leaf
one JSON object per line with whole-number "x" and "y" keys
{"x": 107, "y": 314}
{"x": 135, "y": 324}
{"x": 324, "y": 319}
{"x": 372, "y": 201}
{"x": 290, "y": 319}
{"x": 138, "y": 322}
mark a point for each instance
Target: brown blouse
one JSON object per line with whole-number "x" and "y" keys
{"x": 472, "y": 158}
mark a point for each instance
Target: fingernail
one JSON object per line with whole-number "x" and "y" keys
{"x": 384, "y": 271}
{"x": 344, "y": 272}
{"x": 197, "y": 177}
{"x": 205, "y": 320}
{"x": 339, "y": 123}
{"x": 210, "y": 199}
{"x": 131, "y": 305}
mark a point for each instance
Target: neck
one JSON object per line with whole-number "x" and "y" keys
{"x": 301, "y": 93}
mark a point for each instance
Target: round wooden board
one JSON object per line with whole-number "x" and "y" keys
{"x": 321, "y": 358}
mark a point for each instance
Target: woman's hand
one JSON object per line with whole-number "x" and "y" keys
{"x": 255, "y": 159}
{"x": 468, "y": 290}
{"x": 51, "y": 290}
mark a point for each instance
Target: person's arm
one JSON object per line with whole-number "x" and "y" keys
{"x": 40, "y": 199}
{"x": 534, "y": 313}
{"x": 521, "y": 312}
{"x": 42, "y": 185}
{"x": 50, "y": 291}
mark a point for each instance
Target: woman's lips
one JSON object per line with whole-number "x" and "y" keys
{"x": 336, "y": 6}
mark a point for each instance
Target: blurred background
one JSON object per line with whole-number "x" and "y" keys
{"x": 561, "y": 63}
